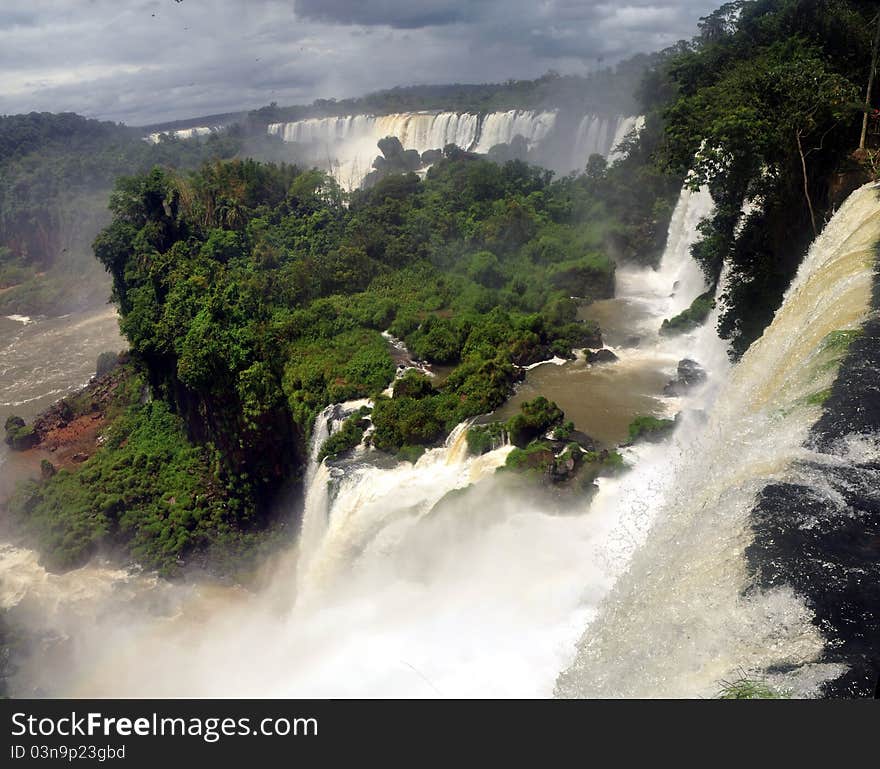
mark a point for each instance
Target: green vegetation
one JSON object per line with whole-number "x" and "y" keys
{"x": 56, "y": 172}
{"x": 536, "y": 417}
{"x": 563, "y": 432}
{"x": 650, "y": 428}
{"x": 539, "y": 460}
{"x": 146, "y": 489}
{"x": 484, "y": 438}
{"x": 692, "y": 317}
{"x": 537, "y": 457}
{"x": 349, "y": 435}
{"x": 819, "y": 398}
{"x": 838, "y": 342}
{"x": 766, "y": 104}
{"x": 746, "y": 688}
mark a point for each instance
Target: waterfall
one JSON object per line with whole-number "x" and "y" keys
{"x": 347, "y": 144}
{"x": 598, "y": 134}
{"x": 183, "y": 133}
{"x": 371, "y": 501}
{"x": 316, "y": 509}
{"x": 678, "y": 279}
{"x": 501, "y": 127}
{"x": 685, "y": 614}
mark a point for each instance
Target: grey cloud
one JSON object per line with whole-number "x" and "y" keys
{"x": 116, "y": 60}
{"x": 402, "y": 14}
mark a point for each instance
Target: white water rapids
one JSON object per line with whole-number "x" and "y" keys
{"x": 485, "y": 594}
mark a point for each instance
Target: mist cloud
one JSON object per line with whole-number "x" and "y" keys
{"x": 146, "y": 61}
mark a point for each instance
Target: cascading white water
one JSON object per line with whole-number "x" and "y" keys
{"x": 682, "y": 618}
{"x": 183, "y": 133}
{"x": 316, "y": 508}
{"x": 624, "y": 127}
{"x": 501, "y": 127}
{"x": 348, "y": 144}
{"x": 678, "y": 280}
{"x": 601, "y": 134}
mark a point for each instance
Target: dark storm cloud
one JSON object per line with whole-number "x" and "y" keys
{"x": 146, "y": 61}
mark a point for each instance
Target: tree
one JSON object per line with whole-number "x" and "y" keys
{"x": 875, "y": 48}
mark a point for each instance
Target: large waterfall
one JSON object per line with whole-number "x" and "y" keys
{"x": 347, "y": 145}
{"x": 686, "y": 614}
{"x": 437, "y": 578}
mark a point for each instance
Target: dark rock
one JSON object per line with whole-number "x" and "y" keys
{"x": 562, "y": 469}
{"x": 632, "y": 341}
{"x": 390, "y": 147}
{"x": 20, "y": 436}
{"x": 79, "y": 457}
{"x": 583, "y": 440}
{"x": 689, "y": 374}
{"x": 431, "y": 156}
{"x": 47, "y": 469}
{"x": 601, "y": 356}
{"x": 411, "y": 160}
{"x": 107, "y": 361}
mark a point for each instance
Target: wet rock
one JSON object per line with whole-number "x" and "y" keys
{"x": 632, "y": 341}
{"x": 689, "y": 374}
{"x": 601, "y": 356}
{"x": 47, "y": 469}
{"x": 431, "y": 156}
{"x": 583, "y": 440}
{"x": 20, "y": 436}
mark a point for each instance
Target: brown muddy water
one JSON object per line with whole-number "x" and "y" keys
{"x": 602, "y": 399}
{"x": 43, "y": 359}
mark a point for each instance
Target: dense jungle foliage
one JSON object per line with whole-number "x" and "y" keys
{"x": 766, "y": 107}
{"x": 56, "y": 173}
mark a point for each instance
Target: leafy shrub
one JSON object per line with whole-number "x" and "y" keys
{"x": 692, "y": 317}
{"x": 650, "y": 428}
{"x": 535, "y": 418}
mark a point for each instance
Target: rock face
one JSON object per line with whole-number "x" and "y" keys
{"x": 601, "y": 356}
{"x": 689, "y": 374}
{"x": 19, "y": 436}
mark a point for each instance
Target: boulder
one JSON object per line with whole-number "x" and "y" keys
{"x": 431, "y": 156}
{"x": 689, "y": 374}
{"x": 601, "y": 356}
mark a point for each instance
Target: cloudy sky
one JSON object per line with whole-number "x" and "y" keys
{"x": 144, "y": 61}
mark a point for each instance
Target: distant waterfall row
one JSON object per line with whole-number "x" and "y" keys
{"x": 347, "y": 144}
{"x": 183, "y": 133}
